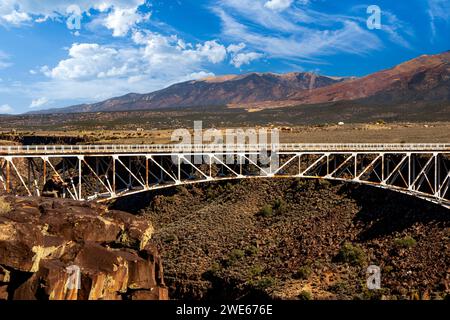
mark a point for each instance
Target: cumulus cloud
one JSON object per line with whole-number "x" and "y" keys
{"x": 91, "y": 60}
{"x": 94, "y": 72}
{"x": 117, "y": 15}
{"x": 155, "y": 56}
{"x": 122, "y": 20}
{"x": 278, "y": 5}
{"x": 38, "y": 102}
{"x": 15, "y": 17}
{"x": 212, "y": 51}
{"x": 245, "y": 58}
{"x": 6, "y": 108}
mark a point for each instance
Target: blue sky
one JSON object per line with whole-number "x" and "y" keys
{"x": 49, "y": 60}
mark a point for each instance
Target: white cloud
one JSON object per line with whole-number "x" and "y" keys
{"x": 438, "y": 10}
{"x": 4, "y": 60}
{"x": 393, "y": 26}
{"x": 55, "y": 8}
{"x": 156, "y": 56}
{"x": 303, "y": 34}
{"x": 278, "y": 5}
{"x": 15, "y": 17}
{"x": 245, "y": 58}
{"x": 212, "y": 50}
{"x": 5, "y": 108}
{"x": 235, "y": 48}
{"x": 93, "y": 72}
{"x": 38, "y": 102}
{"x": 90, "y": 60}
{"x": 303, "y": 44}
{"x": 122, "y": 20}
{"x": 117, "y": 15}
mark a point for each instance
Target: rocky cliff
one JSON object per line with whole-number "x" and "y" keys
{"x": 66, "y": 250}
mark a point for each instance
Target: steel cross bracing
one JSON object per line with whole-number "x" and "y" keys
{"x": 109, "y": 171}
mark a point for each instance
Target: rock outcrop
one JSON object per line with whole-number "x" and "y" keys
{"x": 66, "y": 250}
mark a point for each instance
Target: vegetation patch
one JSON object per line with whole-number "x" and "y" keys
{"x": 266, "y": 211}
{"x": 234, "y": 256}
{"x": 405, "y": 242}
{"x": 305, "y": 295}
{"x": 251, "y": 250}
{"x": 278, "y": 207}
{"x": 303, "y": 273}
{"x": 264, "y": 283}
{"x": 351, "y": 254}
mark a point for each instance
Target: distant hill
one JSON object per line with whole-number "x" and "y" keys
{"x": 423, "y": 80}
{"x": 214, "y": 91}
{"x": 426, "y": 78}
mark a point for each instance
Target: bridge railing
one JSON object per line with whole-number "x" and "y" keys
{"x": 166, "y": 148}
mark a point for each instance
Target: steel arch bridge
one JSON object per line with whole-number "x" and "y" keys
{"x": 105, "y": 172}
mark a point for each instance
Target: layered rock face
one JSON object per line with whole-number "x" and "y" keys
{"x": 66, "y": 250}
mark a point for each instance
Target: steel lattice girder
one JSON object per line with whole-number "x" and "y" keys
{"x": 108, "y": 176}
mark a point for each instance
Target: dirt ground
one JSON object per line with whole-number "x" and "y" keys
{"x": 438, "y": 132}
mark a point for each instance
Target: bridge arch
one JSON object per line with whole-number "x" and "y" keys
{"x": 107, "y": 172}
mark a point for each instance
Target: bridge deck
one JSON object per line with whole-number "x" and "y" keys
{"x": 167, "y": 148}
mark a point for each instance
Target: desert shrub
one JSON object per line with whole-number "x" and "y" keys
{"x": 305, "y": 295}
{"x": 5, "y": 207}
{"x": 251, "y": 250}
{"x": 233, "y": 257}
{"x": 324, "y": 183}
{"x": 266, "y": 211}
{"x": 388, "y": 269}
{"x": 339, "y": 288}
{"x": 237, "y": 254}
{"x": 406, "y": 242}
{"x": 213, "y": 272}
{"x": 265, "y": 283}
{"x": 303, "y": 273}
{"x": 351, "y": 254}
{"x": 279, "y": 206}
{"x": 256, "y": 271}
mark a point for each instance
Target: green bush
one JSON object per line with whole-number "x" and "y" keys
{"x": 237, "y": 254}
{"x": 265, "y": 283}
{"x": 305, "y": 295}
{"x": 256, "y": 271}
{"x": 251, "y": 250}
{"x": 266, "y": 211}
{"x": 279, "y": 206}
{"x": 303, "y": 273}
{"x": 233, "y": 257}
{"x": 351, "y": 254}
{"x": 339, "y": 288}
{"x": 406, "y": 242}
{"x": 324, "y": 183}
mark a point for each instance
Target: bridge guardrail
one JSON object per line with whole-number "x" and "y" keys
{"x": 163, "y": 148}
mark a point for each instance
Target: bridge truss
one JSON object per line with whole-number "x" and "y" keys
{"x": 107, "y": 172}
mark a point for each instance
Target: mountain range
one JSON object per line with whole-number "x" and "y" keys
{"x": 425, "y": 79}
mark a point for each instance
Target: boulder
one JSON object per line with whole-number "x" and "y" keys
{"x": 67, "y": 250}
